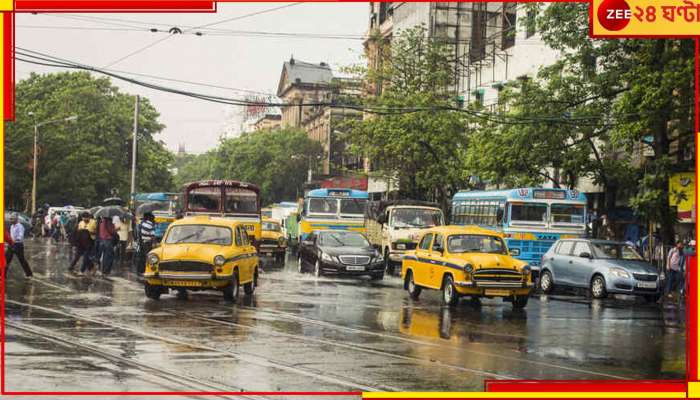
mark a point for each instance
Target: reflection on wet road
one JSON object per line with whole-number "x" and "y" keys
{"x": 300, "y": 333}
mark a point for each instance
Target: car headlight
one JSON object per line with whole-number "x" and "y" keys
{"x": 153, "y": 259}
{"x": 378, "y": 257}
{"x": 400, "y": 246}
{"x": 219, "y": 260}
{"x": 526, "y": 270}
{"x": 468, "y": 268}
{"x": 619, "y": 272}
{"x": 326, "y": 257}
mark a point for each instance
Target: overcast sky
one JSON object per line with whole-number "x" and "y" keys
{"x": 229, "y": 59}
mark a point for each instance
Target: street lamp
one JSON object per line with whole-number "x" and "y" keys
{"x": 36, "y": 139}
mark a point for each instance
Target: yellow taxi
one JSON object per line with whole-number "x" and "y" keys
{"x": 272, "y": 240}
{"x": 202, "y": 252}
{"x": 466, "y": 261}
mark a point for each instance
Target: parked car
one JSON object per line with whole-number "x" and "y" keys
{"x": 466, "y": 261}
{"x": 340, "y": 252}
{"x": 272, "y": 241}
{"x": 601, "y": 266}
{"x": 200, "y": 253}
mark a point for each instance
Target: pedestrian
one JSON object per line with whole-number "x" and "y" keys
{"x": 8, "y": 247}
{"x": 673, "y": 268}
{"x": 84, "y": 243}
{"x": 17, "y": 237}
{"x": 123, "y": 235}
{"x": 106, "y": 238}
{"x": 146, "y": 235}
{"x": 62, "y": 224}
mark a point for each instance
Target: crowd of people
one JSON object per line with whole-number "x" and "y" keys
{"x": 98, "y": 244}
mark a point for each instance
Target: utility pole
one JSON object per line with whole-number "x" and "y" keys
{"x": 36, "y": 139}
{"x": 133, "y": 146}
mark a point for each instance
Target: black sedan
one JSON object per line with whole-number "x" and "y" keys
{"x": 340, "y": 252}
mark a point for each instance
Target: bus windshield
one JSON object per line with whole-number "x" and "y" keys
{"x": 353, "y": 206}
{"x": 240, "y": 201}
{"x": 415, "y": 218}
{"x": 567, "y": 213}
{"x": 528, "y": 212}
{"x": 205, "y": 199}
{"x": 324, "y": 206}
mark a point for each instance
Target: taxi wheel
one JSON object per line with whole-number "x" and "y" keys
{"x": 317, "y": 269}
{"x": 546, "y": 283}
{"x": 249, "y": 287}
{"x": 152, "y": 292}
{"x": 413, "y": 289}
{"x": 520, "y": 301}
{"x": 450, "y": 296}
{"x": 598, "y": 287}
{"x": 181, "y": 294}
{"x": 231, "y": 291}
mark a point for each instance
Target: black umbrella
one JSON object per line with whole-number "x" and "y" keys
{"x": 113, "y": 201}
{"x": 150, "y": 207}
{"x": 111, "y": 211}
{"x": 93, "y": 210}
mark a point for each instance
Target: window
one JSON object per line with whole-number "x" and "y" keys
{"x": 199, "y": 234}
{"x": 240, "y": 200}
{"x": 581, "y": 247}
{"x": 204, "y": 199}
{"x": 615, "y": 251}
{"x": 319, "y": 205}
{"x": 437, "y": 243}
{"x": 239, "y": 240}
{"x": 509, "y": 25}
{"x": 529, "y": 212}
{"x": 531, "y": 24}
{"x": 342, "y": 239}
{"x": 425, "y": 242}
{"x": 565, "y": 248}
{"x": 567, "y": 213}
{"x": 271, "y": 226}
{"x": 416, "y": 217}
{"x": 353, "y": 206}
{"x": 244, "y": 237}
{"x": 475, "y": 244}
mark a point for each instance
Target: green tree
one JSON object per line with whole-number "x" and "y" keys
{"x": 81, "y": 162}
{"x": 194, "y": 167}
{"x": 275, "y": 160}
{"x": 414, "y": 138}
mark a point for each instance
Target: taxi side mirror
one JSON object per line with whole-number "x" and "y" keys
{"x": 514, "y": 252}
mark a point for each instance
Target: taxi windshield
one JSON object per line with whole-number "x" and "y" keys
{"x": 475, "y": 244}
{"x": 270, "y": 226}
{"x": 202, "y": 234}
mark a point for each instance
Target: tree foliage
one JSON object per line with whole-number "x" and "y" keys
{"x": 422, "y": 150}
{"x": 80, "y": 162}
{"x": 275, "y": 160}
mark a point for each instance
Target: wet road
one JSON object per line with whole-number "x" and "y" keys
{"x": 300, "y": 333}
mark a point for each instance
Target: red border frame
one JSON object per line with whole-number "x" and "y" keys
{"x": 491, "y": 386}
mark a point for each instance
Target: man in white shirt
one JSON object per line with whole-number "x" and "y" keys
{"x": 17, "y": 235}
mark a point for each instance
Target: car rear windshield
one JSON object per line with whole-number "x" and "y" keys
{"x": 475, "y": 244}
{"x": 616, "y": 251}
{"x": 208, "y": 234}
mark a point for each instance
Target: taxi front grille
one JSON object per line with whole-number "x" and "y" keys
{"x": 268, "y": 242}
{"x": 184, "y": 266}
{"x": 497, "y": 275}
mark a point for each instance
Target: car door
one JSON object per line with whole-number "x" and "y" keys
{"x": 421, "y": 270}
{"x": 436, "y": 268}
{"x": 249, "y": 250}
{"x": 562, "y": 263}
{"x": 306, "y": 248}
{"x": 582, "y": 266}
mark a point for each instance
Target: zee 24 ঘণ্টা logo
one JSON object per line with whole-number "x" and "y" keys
{"x": 616, "y": 15}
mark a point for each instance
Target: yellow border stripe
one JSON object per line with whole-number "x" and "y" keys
{"x": 2, "y": 115}
{"x": 524, "y": 395}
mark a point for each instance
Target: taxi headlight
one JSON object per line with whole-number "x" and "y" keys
{"x": 219, "y": 260}
{"x": 526, "y": 270}
{"x": 280, "y": 241}
{"x": 468, "y": 268}
{"x": 153, "y": 259}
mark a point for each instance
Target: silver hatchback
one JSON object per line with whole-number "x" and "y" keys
{"x": 601, "y": 266}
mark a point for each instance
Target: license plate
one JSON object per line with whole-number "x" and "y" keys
{"x": 181, "y": 283}
{"x": 355, "y": 268}
{"x": 496, "y": 292}
{"x": 646, "y": 285}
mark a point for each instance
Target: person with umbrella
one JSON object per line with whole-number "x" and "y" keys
{"x": 84, "y": 242}
{"x": 107, "y": 236}
{"x": 146, "y": 235}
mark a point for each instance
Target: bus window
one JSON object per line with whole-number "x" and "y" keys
{"x": 205, "y": 199}
{"x": 528, "y": 212}
{"x": 567, "y": 213}
{"x": 319, "y": 205}
{"x": 240, "y": 200}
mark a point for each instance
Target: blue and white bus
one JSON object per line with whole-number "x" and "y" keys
{"x": 333, "y": 209}
{"x": 532, "y": 219}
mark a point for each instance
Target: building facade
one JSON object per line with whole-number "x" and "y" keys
{"x": 267, "y": 122}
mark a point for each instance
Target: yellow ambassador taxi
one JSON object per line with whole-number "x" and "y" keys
{"x": 200, "y": 253}
{"x": 272, "y": 240}
{"x": 466, "y": 261}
